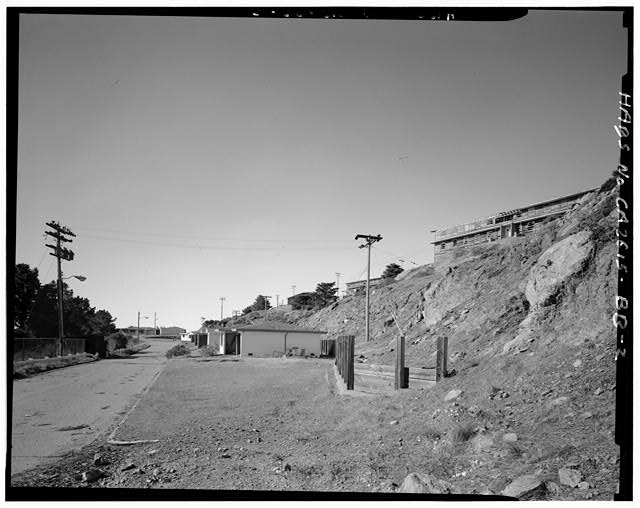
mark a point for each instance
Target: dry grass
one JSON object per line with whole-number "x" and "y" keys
{"x": 462, "y": 433}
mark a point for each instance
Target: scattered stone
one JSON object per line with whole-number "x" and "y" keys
{"x": 577, "y": 363}
{"x": 559, "y": 401}
{"x": 393, "y": 422}
{"x": 583, "y": 485}
{"x": 452, "y": 395}
{"x": 225, "y": 456}
{"x": 92, "y": 475}
{"x": 553, "y": 487}
{"x": 525, "y": 485}
{"x": 99, "y": 460}
{"x": 129, "y": 466}
{"x": 510, "y": 437}
{"x": 587, "y": 415}
{"x": 153, "y": 452}
{"x": 481, "y": 443}
{"x": 598, "y": 391}
{"x": 474, "y": 410}
{"x": 569, "y": 477}
{"x": 287, "y": 467}
{"x": 426, "y": 484}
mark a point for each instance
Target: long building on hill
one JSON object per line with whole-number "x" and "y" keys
{"x": 503, "y": 225}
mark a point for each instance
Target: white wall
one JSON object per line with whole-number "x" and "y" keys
{"x": 264, "y": 343}
{"x": 261, "y": 343}
{"x": 310, "y": 342}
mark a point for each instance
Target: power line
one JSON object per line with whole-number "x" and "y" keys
{"x": 171, "y": 236}
{"x": 211, "y": 247}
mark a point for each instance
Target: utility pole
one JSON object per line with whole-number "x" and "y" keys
{"x": 369, "y": 240}
{"x": 60, "y": 234}
{"x": 338, "y": 274}
{"x": 277, "y": 300}
{"x": 222, "y": 299}
{"x": 294, "y": 290}
{"x": 138, "y": 326}
{"x": 154, "y": 322}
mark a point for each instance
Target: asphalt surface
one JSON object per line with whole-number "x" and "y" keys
{"x": 65, "y": 409}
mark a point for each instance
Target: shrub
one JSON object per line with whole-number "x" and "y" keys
{"x": 178, "y": 350}
{"x": 432, "y": 433}
{"x": 462, "y": 433}
{"x": 117, "y": 340}
{"x": 209, "y": 350}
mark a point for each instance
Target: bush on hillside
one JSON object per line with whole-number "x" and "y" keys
{"x": 178, "y": 350}
{"x": 117, "y": 340}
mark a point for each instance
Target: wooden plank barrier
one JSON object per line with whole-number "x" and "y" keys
{"x": 441, "y": 358}
{"x": 400, "y": 380}
{"x": 345, "y": 347}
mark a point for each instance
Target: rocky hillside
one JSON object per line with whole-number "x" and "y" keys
{"x": 531, "y": 348}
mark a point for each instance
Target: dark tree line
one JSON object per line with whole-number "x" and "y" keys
{"x": 36, "y": 309}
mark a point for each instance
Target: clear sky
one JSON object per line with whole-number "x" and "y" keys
{"x": 205, "y": 158}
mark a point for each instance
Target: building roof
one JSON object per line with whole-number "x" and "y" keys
{"x": 275, "y": 326}
{"x": 171, "y": 330}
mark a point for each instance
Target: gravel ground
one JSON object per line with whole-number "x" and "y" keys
{"x": 280, "y": 425}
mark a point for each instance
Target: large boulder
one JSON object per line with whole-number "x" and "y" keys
{"x": 555, "y": 266}
{"x": 525, "y": 486}
{"x": 416, "y": 483}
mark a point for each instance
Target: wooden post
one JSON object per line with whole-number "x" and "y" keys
{"x": 441, "y": 358}
{"x": 351, "y": 347}
{"x": 399, "y": 379}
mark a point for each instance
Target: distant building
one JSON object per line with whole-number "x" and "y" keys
{"x": 512, "y": 223}
{"x": 267, "y": 339}
{"x": 144, "y": 331}
{"x": 171, "y": 332}
{"x": 359, "y": 286}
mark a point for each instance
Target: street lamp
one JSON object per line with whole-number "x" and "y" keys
{"x": 81, "y": 278}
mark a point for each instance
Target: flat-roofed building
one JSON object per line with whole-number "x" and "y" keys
{"x": 503, "y": 225}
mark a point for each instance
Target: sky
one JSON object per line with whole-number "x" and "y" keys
{"x": 200, "y": 158}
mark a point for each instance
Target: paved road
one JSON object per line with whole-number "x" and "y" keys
{"x": 94, "y": 394}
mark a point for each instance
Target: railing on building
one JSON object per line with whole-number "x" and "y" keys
{"x": 489, "y": 223}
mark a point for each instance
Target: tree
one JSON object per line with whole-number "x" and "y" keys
{"x": 392, "y": 271}
{"x": 103, "y": 323}
{"x": 43, "y": 320}
{"x": 260, "y": 303}
{"x": 27, "y": 287}
{"x": 80, "y": 318}
{"x": 325, "y": 294}
{"x": 303, "y": 301}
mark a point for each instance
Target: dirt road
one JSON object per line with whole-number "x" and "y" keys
{"x": 65, "y": 409}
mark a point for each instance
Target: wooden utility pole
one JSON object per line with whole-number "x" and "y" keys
{"x": 369, "y": 240}
{"x": 138, "y": 326}
{"x": 338, "y": 274}
{"x": 222, "y": 299}
{"x": 60, "y": 234}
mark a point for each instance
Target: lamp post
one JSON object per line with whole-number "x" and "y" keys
{"x": 81, "y": 278}
{"x": 143, "y": 317}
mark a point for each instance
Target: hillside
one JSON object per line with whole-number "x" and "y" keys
{"x": 531, "y": 347}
